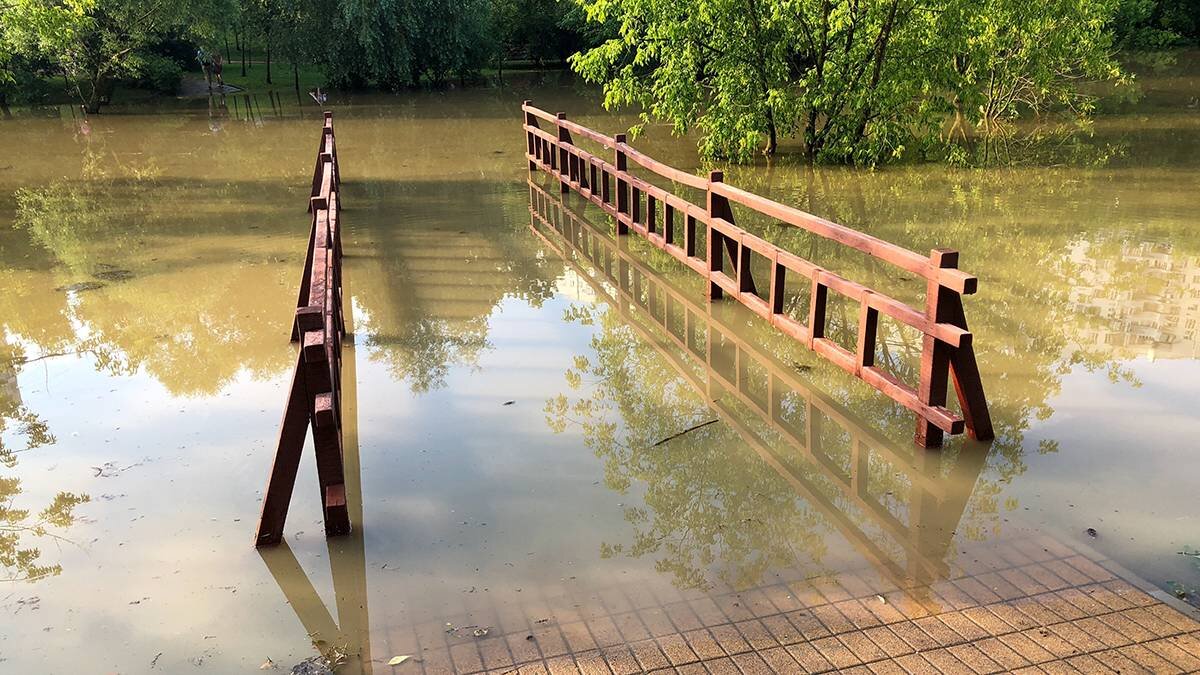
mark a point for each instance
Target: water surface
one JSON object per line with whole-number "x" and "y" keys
{"x": 509, "y": 392}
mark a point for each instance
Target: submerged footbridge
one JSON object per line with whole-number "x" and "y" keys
{"x": 707, "y": 240}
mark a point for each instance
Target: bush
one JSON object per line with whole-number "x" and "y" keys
{"x": 158, "y": 73}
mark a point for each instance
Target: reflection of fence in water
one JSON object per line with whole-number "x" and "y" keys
{"x": 721, "y": 361}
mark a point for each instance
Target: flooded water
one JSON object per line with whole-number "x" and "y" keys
{"x": 513, "y": 404}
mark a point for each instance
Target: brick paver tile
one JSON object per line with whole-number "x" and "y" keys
{"x": 1012, "y": 616}
{"x": 722, "y": 666}
{"x": 1079, "y": 639}
{"x": 946, "y": 662}
{"x": 1027, "y": 648}
{"x": 781, "y": 596}
{"x": 942, "y": 634}
{"x": 781, "y": 629}
{"x": 889, "y": 642}
{"x": 1068, "y": 573}
{"x": 605, "y": 632}
{"x": 648, "y": 655}
{"x": 704, "y": 644}
{"x": 833, "y": 619}
{"x": 1183, "y": 623}
{"x": 1099, "y": 629}
{"x": 1119, "y": 662}
{"x": 682, "y": 616}
{"x": 830, "y": 589}
{"x": 858, "y": 614}
{"x": 1045, "y": 576}
{"x": 806, "y": 594}
{"x": 964, "y": 626}
{"x": 523, "y": 648}
{"x": 863, "y": 648}
{"x": 656, "y": 621}
{"x": 733, "y": 608}
{"x": 809, "y": 658}
{"x": 835, "y": 652}
{"x": 436, "y": 661}
{"x": 758, "y": 603}
{"x": 1080, "y": 598}
{"x": 975, "y": 659}
{"x": 620, "y": 660}
{"x": 729, "y": 638}
{"x": 916, "y": 638}
{"x": 494, "y": 652}
{"x": 528, "y": 669}
{"x": 578, "y": 637}
{"x": 550, "y": 640}
{"x": 1089, "y": 665}
{"x": 1039, "y": 612}
{"x": 987, "y": 620}
{"x": 886, "y": 668}
{"x": 808, "y": 625}
{"x": 1000, "y": 586}
{"x": 562, "y": 665}
{"x": 692, "y": 669}
{"x": 779, "y": 660}
{"x": 1150, "y": 621}
{"x": 708, "y": 611}
{"x": 1058, "y": 668}
{"x": 592, "y": 663}
{"x": 1001, "y": 654}
{"x": 953, "y": 596}
{"x": 676, "y": 649}
{"x": 466, "y": 657}
{"x": 1102, "y": 594}
{"x": 1024, "y": 582}
{"x": 1127, "y": 592}
{"x": 981, "y": 594}
{"x": 757, "y": 634}
{"x": 1171, "y": 651}
{"x": 1089, "y": 568}
{"x": 1052, "y": 642}
{"x": 752, "y": 664}
{"x": 1148, "y": 659}
{"x": 631, "y": 627}
{"x": 915, "y": 664}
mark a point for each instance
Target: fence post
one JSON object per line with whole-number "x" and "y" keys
{"x": 530, "y": 139}
{"x": 935, "y": 354}
{"x": 622, "y": 164}
{"x": 718, "y": 207}
{"x": 565, "y": 159}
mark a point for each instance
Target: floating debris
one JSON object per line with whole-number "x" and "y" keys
{"x": 1091, "y": 532}
{"x": 397, "y": 660}
{"x": 508, "y": 402}
{"x": 114, "y": 274}
{"x": 268, "y": 665}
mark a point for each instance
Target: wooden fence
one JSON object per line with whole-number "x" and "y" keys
{"x": 715, "y": 357}
{"x": 947, "y": 347}
{"x": 315, "y": 397}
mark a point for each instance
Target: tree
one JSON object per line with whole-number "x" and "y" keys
{"x": 859, "y": 80}
{"x": 93, "y": 43}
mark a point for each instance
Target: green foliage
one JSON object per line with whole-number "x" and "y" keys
{"x": 93, "y": 43}
{"x": 858, "y": 80}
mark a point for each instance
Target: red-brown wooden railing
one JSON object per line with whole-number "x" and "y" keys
{"x": 315, "y": 396}
{"x": 947, "y": 346}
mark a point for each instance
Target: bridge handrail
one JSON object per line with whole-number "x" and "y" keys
{"x": 948, "y": 344}
{"x": 314, "y": 400}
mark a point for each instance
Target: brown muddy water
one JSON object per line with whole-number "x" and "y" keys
{"x": 150, "y": 259}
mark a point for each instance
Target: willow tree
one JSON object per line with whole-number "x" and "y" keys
{"x": 858, "y": 80}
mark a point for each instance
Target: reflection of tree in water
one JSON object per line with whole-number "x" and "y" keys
{"x": 122, "y": 275}
{"x": 708, "y": 502}
{"x": 20, "y": 560}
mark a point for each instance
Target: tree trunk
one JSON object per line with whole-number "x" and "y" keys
{"x": 772, "y": 135}
{"x": 227, "y": 52}
{"x": 296, "y": 75}
{"x": 242, "y": 48}
{"x": 268, "y": 59}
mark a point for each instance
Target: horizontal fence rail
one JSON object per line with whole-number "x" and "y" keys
{"x": 315, "y": 398}
{"x": 634, "y": 203}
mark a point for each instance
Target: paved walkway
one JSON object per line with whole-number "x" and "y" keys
{"x": 1029, "y": 607}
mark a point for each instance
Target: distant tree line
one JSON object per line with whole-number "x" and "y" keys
{"x": 90, "y": 46}
{"x": 859, "y": 81}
